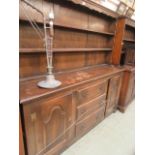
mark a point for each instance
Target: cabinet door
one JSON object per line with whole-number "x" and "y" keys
{"x": 131, "y": 88}
{"x": 48, "y": 125}
{"x": 113, "y": 94}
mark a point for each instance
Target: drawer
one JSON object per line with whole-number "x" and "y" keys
{"x": 91, "y": 92}
{"x": 89, "y": 107}
{"x": 86, "y": 124}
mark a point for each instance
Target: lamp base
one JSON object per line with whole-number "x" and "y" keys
{"x": 50, "y": 82}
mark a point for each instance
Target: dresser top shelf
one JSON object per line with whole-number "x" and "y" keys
{"x": 30, "y": 91}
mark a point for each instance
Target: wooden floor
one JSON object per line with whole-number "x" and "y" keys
{"x": 113, "y": 136}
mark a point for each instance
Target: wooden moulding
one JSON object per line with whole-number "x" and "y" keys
{"x": 130, "y": 22}
{"x": 97, "y": 7}
{"x": 91, "y": 5}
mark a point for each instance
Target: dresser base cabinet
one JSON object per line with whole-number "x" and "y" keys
{"x": 54, "y": 123}
{"x": 56, "y": 118}
{"x": 127, "y": 93}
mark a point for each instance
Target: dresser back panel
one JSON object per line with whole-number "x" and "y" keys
{"x": 32, "y": 64}
{"x": 33, "y": 59}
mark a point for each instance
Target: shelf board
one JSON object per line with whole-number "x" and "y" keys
{"x": 56, "y": 50}
{"x": 31, "y": 50}
{"x": 129, "y": 40}
{"x": 58, "y": 24}
{"x": 80, "y": 49}
{"x": 82, "y": 29}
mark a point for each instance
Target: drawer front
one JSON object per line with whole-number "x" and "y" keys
{"x": 91, "y": 92}
{"x": 89, "y": 107}
{"x": 85, "y": 125}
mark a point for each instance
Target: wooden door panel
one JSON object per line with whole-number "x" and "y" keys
{"x": 46, "y": 123}
{"x": 113, "y": 94}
